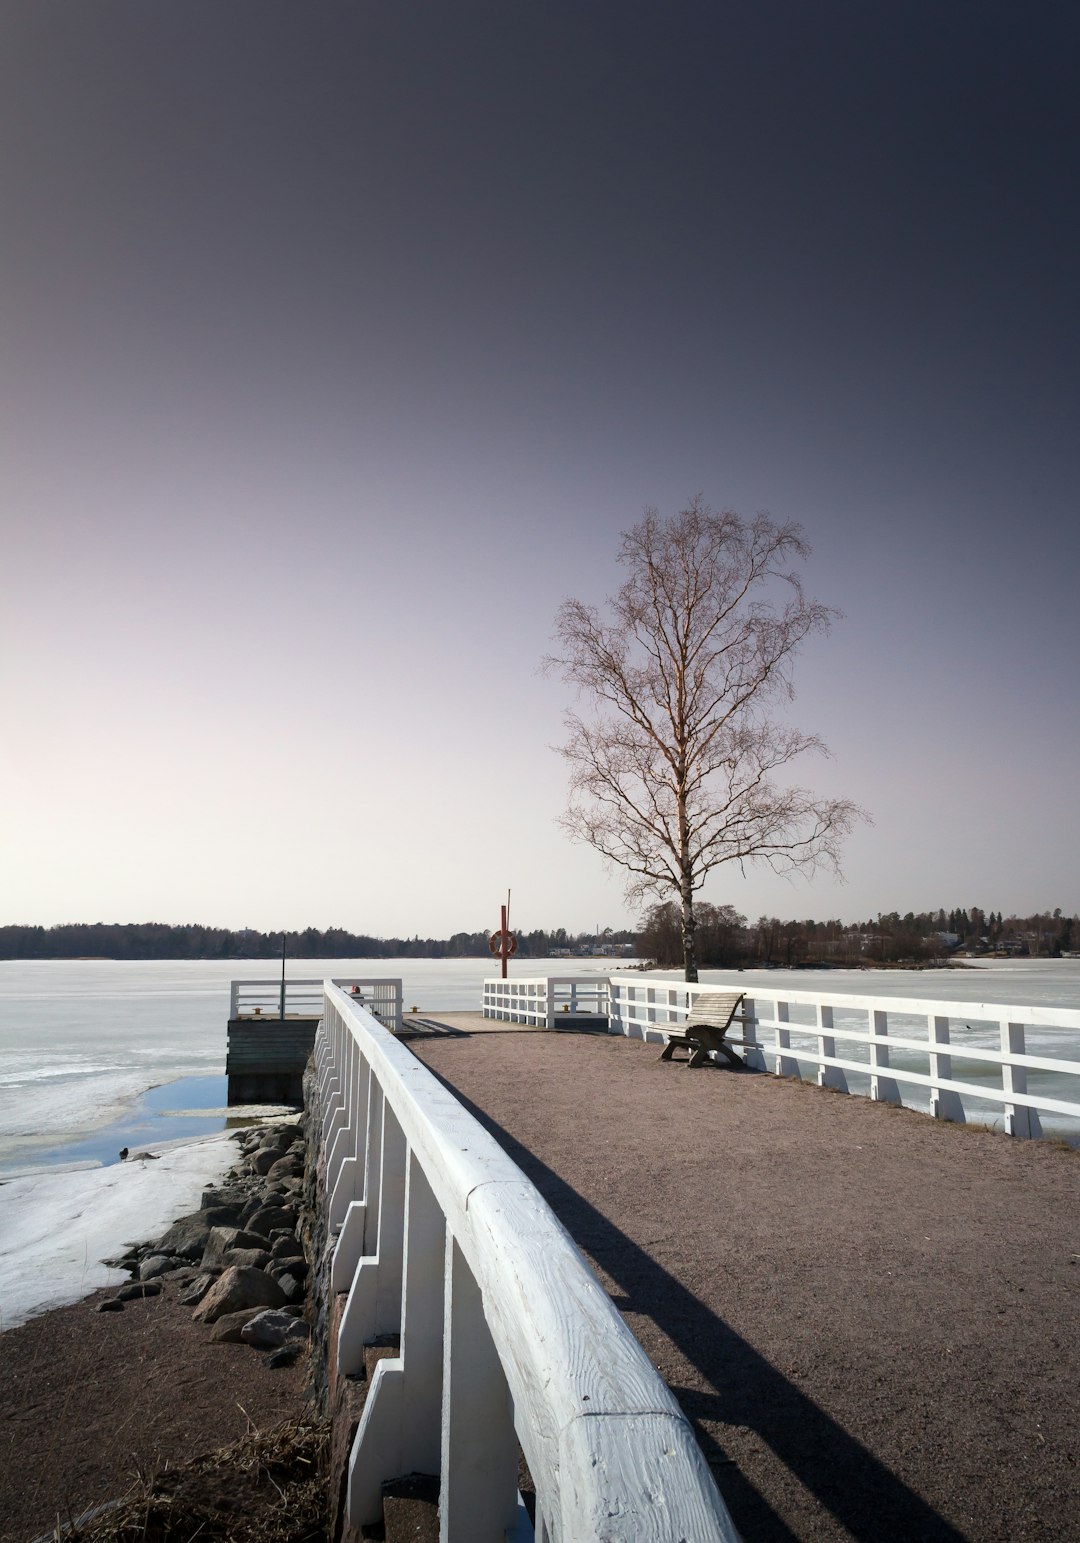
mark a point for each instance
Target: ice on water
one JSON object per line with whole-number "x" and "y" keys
{"x": 56, "y": 1228}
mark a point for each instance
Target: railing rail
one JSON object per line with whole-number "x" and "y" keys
{"x": 806, "y": 1028}
{"x": 545, "y": 999}
{"x": 304, "y": 998}
{"x": 506, "y": 1335}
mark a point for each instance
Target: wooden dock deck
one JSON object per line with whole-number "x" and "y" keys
{"x": 869, "y": 1316}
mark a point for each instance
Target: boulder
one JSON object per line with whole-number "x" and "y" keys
{"x": 229, "y": 1326}
{"x": 221, "y": 1239}
{"x": 283, "y": 1245}
{"x": 270, "y": 1329}
{"x": 264, "y": 1159}
{"x": 291, "y": 1264}
{"x": 256, "y": 1258}
{"x": 197, "y": 1290}
{"x": 230, "y": 1195}
{"x": 287, "y": 1167}
{"x": 158, "y": 1264}
{"x": 110, "y": 1305}
{"x": 270, "y": 1218}
{"x": 293, "y": 1288}
{"x": 240, "y": 1286}
{"x": 141, "y": 1288}
{"x": 285, "y": 1356}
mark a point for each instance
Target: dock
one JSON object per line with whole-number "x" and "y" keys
{"x": 867, "y": 1315}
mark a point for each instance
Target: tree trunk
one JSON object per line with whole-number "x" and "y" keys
{"x": 689, "y": 928}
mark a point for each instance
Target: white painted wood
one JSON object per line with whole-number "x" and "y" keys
{"x": 478, "y": 1499}
{"x": 786, "y": 1065}
{"x": 945, "y": 1102}
{"x": 527, "y": 1303}
{"x": 348, "y": 1250}
{"x": 883, "y": 1087}
{"x": 829, "y": 1075}
{"x": 1020, "y": 1119}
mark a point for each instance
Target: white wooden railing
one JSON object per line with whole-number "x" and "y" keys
{"x": 304, "y": 998}
{"x": 545, "y": 999}
{"x": 958, "y": 1060}
{"x": 506, "y": 1335}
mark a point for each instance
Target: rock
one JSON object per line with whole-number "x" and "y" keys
{"x": 139, "y": 1288}
{"x": 270, "y": 1329}
{"x": 293, "y": 1288}
{"x": 256, "y": 1258}
{"x": 283, "y": 1244}
{"x": 285, "y": 1356}
{"x": 238, "y": 1287}
{"x": 229, "y": 1326}
{"x": 110, "y": 1305}
{"x": 231, "y": 1195}
{"x": 186, "y": 1237}
{"x": 286, "y": 1168}
{"x": 197, "y": 1290}
{"x": 264, "y": 1159}
{"x": 158, "y": 1264}
{"x": 291, "y": 1264}
{"x": 221, "y": 1239}
{"x": 270, "y": 1218}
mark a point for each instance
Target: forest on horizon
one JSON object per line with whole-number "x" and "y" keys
{"x": 725, "y": 940}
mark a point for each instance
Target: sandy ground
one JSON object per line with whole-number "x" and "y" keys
{"x": 89, "y": 1400}
{"x": 870, "y": 1317}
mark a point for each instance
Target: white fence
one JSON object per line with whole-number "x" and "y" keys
{"x": 506, "y": 1335}
{"x": 545, "y": 999}
{"x": 304, "y": 998}
{"x": 958, "y": 1060}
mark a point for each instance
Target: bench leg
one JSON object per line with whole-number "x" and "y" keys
{"x": 731, "y": 1057}
{"x": 666, "y": 1053}
{"x": 698, "y": 1057}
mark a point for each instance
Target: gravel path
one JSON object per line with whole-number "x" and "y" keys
{"x": 870, "y": 1317}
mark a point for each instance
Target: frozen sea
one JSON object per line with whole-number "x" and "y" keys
{"x": 97, "y": 1054}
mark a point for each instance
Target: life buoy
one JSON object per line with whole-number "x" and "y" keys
{"x": 495, "y": 943}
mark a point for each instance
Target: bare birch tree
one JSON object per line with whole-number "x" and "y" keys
{"x": 673, "y": 770}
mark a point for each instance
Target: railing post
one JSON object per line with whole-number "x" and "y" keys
{"x": 944, "y": 1102}
{"x": 786, "y": 1065}
{"x": 829, "y": 1076}
{"x": 1020, "y": 1119}
{"x": 478, "y": 1500}
{"x": 400, "y": 1429}
{"x": 883, "y": 1089}
{"x": 374, "y": 1301}
{"x": 755, "y": 1057}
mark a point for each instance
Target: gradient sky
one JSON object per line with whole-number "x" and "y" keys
{"x": 339, "y": 342}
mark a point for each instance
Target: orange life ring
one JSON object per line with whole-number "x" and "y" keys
{"x": 495, "y": 943}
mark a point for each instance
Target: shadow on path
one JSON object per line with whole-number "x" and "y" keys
{"x": 864, "y": 1496}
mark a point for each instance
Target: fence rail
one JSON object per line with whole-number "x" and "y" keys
{"x": 545, "y": 999}
{"x": 800, "y": 1030}
{"x": 506, "y": 1335}
{"x": 304, "y": 998}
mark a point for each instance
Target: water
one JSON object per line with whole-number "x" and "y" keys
{"x": 96, "y": 1055}
{"x": 83, "y": 1041}
{"x": 1045, "y": 983}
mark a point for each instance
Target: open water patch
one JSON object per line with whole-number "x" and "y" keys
{"x": 173, "y": 1111}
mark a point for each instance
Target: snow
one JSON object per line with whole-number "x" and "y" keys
{"x": 57, "y": 1227}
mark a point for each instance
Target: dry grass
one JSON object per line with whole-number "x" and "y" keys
{"x": 268, "y": 1487}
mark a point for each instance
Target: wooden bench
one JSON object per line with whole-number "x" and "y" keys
{"x": 706, "y": 1029}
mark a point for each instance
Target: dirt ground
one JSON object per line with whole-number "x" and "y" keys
{"x": 869, "y": 1316}
{"x": 90, "y": 1402}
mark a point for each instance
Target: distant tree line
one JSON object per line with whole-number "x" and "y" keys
{"x": 726, "y": 939}
{"x": 158, "y": 940}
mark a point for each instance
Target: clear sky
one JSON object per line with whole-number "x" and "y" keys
{"x": 339, "y": 342}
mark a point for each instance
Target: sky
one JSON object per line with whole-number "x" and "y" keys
{"x": 340, "y": 342}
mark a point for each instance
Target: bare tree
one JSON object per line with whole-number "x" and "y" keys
{"x": 673, "y": 769}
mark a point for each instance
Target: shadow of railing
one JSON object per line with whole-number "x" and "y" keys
{"x": 870, "y": 1501}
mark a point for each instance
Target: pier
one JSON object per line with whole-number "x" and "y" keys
{"x": 864, "y": 1314}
